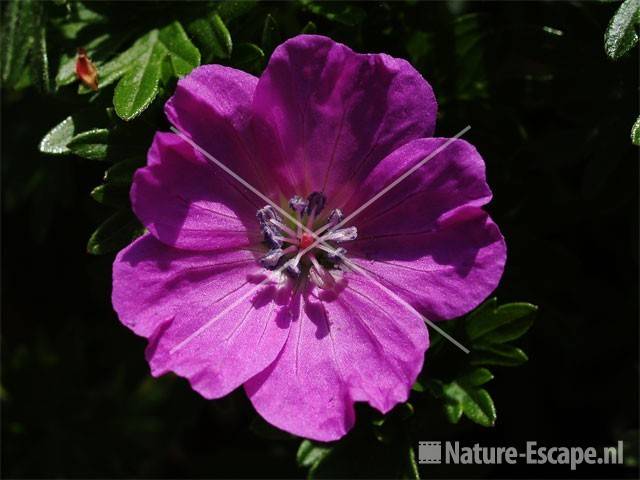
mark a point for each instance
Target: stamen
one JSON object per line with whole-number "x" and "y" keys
{"x": 335, "y": 217}
{"x": 334, "y": 255}
{"x": 316, "y": 202}
{"x": 342, "y": 235}
{"x": 282, "y": 226}
{"x": 298, "y": 204}
{"x": 271, "y": 259}
{"x": 267, "y": 213}
{"x": 322, "y": 277}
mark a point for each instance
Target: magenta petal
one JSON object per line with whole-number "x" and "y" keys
{"x": 166, "y": 294}
{"x": 212, "y": 106}
{"x": 325, "y": 115}
{"x": 427, "y": 238}
{"x": 186, "y": 202}
{"x": 358, "y": 344}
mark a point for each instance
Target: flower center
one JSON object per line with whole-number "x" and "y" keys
{"x": 290, "y": 244}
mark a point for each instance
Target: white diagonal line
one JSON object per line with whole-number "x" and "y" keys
{"x": 240, "y": 179}
{"x": 398, "y": 180}
{"x": 318, "y": 240}
{"x": 363, "y": 272}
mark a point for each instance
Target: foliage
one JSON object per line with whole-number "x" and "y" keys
{"x": 558, "y": 164}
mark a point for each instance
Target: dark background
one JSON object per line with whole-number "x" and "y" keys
{"x": 550, "y": 113}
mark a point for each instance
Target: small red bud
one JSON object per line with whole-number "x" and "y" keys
{"x": 86, "y": 71}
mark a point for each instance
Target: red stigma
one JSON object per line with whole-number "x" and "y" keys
{"x": 306, "y": 240}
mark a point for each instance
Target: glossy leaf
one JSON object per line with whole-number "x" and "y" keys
{"x": 55, "y": 142}
{"x": 183, "y": 54}
{"x": 92, "y": 144}
{"x": 493, "y": 324}
{"x": 140, "y": 85}
{"x": 495, "y": 354}
{"x": 621, "y": 35}
{"x": 474, "y": 402}
{"x": 115, "y": 233}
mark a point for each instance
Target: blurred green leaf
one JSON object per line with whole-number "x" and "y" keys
{"x": 122, "y": 172}
{"x": 223, "y": 45}
{"x": 621, "y": 35}
{"x": 247, "y": 56}
{"x": 115, "y": 233}
{"x": 17, "y": 40}
{"x": 112, "y": 194}
{"x": 474, "y": 402}
{"x": 309, "y": 28}
{"x": 635, "y": 132}
{"x": 270, "y": 35}
{"x": 39, "y": 56}
{"x": 493, "y": 324}
{"x": 311, "y": 453}
{"x": 343, "y": 13}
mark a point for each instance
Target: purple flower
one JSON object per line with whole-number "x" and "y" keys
{"x": 321, "y": 132}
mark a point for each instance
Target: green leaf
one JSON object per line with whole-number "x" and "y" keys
{"x": 345, "y": 14}
{"x": 140, "y": 85}
{"x": 117, "y": 67}
{"x": 309, "y": 28}
{"x": 183, "y": 54}
{"x": 492, "y": 324}
{"x": 476, "y": 403}
{"x": 453, "y": 411}
{"x": 137, "y": 89}
{"x": 98, "y": 50}
{"x": 311, "y": 453}
{"x": 230, "y": 10}
{"x": 112, "y": 194}
{"x": 412, "y": 470}
{"x": 122, "y": 172}
{"x": 115, "y": 233}
{"x": 16, "y": 41}
{"x": 247, "y": 56}
{"x": 55, "y": 142}
{"x": 39, "y": 56}
{"x": 501, "y": 355}
{"x": 635, "y": 132}
{"x": 223, "y": 46}
{"x": 621, "y": 36}
{"x": 270, "y": 35}
{"x": 92, "y": 144}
